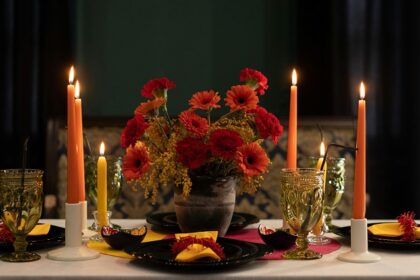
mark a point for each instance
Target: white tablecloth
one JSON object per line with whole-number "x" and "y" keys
{"x": 394, "y": 265}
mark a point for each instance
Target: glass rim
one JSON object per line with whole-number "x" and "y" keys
{"x": 29, "y": 171}
{"x": 305, "y": 170}
{"x": 328, "y": 158}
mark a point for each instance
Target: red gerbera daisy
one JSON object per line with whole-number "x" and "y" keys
{"x": 241, "y": 98}
{"x": 257, "y": 111}
{"x": 149, "y": 106}
{"x": 224, "y": 142}
{"x": 136, "y": 162}
{"x": 192, "y": 152}
{"x": 157, "y": 87}
{"x": 205, "y": 100}
{"x": 252, "y": 159}
{"x": 268, "y": 126}
{"x": 254, "y": 79}
{"x": 193, "y": 123}
{"x": 133, "y": 131}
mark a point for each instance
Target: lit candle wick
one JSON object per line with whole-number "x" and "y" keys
{"x": 71, "y": 75}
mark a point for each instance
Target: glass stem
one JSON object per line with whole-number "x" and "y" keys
{"x": 20, "y": 243}
{"x": 328, "y": 218}
{"x": 302, "y": 242}
{"x": 325, "y": 224}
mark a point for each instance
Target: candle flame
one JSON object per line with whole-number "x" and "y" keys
{"x": 102, "y": 149}
{"x": 362, "y": 90}
{"x": 322, "y": 149}
{"x": 294, "y": 77}
{"x": 77, "y": 90}
{"x": 71, "y": 75}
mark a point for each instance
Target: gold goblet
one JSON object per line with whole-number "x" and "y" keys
{"x": 21, "y": 208}
{"x": 301, "y": 201}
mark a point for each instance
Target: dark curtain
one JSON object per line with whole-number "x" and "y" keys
{"x": 341, "y": 43}
{"x": 35, "y": 52}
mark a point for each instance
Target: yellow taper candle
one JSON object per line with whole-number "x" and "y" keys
{"x": 317, "y": 230}
{"x": 102, "y": 188}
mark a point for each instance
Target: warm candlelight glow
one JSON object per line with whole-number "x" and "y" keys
{"x": 362, "y": 90}
{"x": 77, "y": 90}
{"x": 322, "y": 149}
{"x": 294, "y": 77}
{"x": 71, "y": 75}
{"x": 102, "y": 148}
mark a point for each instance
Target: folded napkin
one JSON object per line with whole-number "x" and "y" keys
{"x": 196, "y": 251}
{"x": 390, "y": 230}
{"x": 42, "y": 229}
{"x": 104, "y": 248}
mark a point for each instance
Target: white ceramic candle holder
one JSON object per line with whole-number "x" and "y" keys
{"x": 359, "y": 244}
{"x": 84, "y": 215}
{"x": 74, "y": 249}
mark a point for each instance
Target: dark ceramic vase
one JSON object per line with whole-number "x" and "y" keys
{"x": 209, "y": 206}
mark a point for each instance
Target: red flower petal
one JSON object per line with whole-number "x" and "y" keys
{"x": 152, "y": 87}
{"x": 133, "y": 131}
{"x": 192, "y": 152}
{"x": 255, "y": 79}
{"x": 193, "y": 123}
{"x": 136, "y": 162}
{"x": 241, "y": 98}
{"x": 408, "y": 225}
{"x": 224, "y": 143}
{"x": 252, "y": 159}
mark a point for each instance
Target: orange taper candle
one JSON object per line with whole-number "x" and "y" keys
{"x": 79, "y": 139}
{"x": 359, "y": 196}
{"x": 72, "y": 169}
{"x": 292, "y": 134}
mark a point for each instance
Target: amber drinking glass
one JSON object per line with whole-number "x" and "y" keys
{"x": 301, "y": 201}
{"x": 21, "y": 208}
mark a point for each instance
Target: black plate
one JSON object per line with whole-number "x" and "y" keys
{"x": 54, "y": 237}
{"x": 380, "y": 241}
{"x": 158, "y": 253}
{"x": 167, "y": 221}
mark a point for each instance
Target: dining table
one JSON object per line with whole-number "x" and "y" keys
{"x": 394, "y": 264}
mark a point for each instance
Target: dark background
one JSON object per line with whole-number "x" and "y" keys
{"x": 117, "y": 46}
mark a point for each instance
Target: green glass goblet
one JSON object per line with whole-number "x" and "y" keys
{"x": 114, "y": 183}
{"x": 114, "y": 177}
{"x": 21, "y": 208}
{"x": 334, "y": 188}
{"x": 301, "y": 201}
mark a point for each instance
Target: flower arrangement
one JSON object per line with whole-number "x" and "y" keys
{"x": 161, "y": 149}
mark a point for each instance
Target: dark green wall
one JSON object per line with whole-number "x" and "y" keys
{"x": 198, "y": 44}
